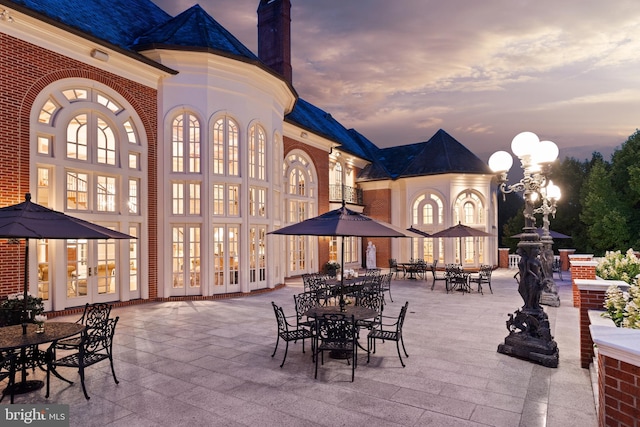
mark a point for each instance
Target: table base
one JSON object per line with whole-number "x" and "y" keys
{"x": 24, "y": 387}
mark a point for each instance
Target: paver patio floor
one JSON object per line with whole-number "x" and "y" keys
{"x": 209, "y": 363}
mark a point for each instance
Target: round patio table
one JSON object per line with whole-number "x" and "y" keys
{"x": 12, "y": 338}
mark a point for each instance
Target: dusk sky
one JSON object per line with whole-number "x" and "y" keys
{"x": 397, "y": 71}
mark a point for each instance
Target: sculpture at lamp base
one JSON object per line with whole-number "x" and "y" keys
{"x": 529, "y": 332}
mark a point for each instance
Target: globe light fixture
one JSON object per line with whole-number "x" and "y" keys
{"x": 529, "y": 332}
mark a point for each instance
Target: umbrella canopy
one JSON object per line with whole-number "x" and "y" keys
{"x": 420, "y": 232}
{"x": 460, "y": 231}
{"x": 540, "y": 231}
{"x": 344, "y": 222}
{"x": 28, "y": 220}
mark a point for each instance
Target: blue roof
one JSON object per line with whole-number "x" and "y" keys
{"x": 117, "y": 22}
{"x": 195, "y": 29}
{"x": 312, "y": 118}
{"x": 439, "y": 155}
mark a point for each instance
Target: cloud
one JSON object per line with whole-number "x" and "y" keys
{"x": 398, "y": 71}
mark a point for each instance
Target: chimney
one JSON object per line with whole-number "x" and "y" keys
{"x": 274, "y": 36}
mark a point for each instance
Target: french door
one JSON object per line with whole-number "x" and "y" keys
{"x": 91, "y": 271}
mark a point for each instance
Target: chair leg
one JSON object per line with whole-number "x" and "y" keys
{"x": 489, "y": 283}
{"x": 275, "y": 349}
{"x": 113, "y": 370}
{"x": 286, "y": 349}
{"x": 399, "y": 355}
{"x": 84, "y": 389}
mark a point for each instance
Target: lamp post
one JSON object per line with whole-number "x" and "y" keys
{"x": 550, "y": 195}
{"x": 529, "y": 333}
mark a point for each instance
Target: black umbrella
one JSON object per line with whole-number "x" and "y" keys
{"x": 28, "y": 220}
{"x": 540, "y": 231}
{"x": 344, "y": 222}
{"x": 460, "y": 231}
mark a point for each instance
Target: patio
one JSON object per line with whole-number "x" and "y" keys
{"x": 208, "y": 363}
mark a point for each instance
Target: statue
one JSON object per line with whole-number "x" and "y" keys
{"x": 530, "y": 284}
{"x": 371, "y": 256}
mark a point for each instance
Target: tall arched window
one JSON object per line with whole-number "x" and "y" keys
{"x": 257, "y": 153}
{"x": 185, "y": 144}
{"x": 225, "y": 147}
{"x": 428, "y": 215}
{"x": 300, "y": 187}
{"x": 89, "y": 159}
{"x": 469, "y": 210}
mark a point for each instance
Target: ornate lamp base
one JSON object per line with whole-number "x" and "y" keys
{"x": 549, "y": 298}
{"x": 530, "y": 338}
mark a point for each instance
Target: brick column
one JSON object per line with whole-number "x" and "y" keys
{"x": 590, "y": 297}
{"x": 564, "y": 258}
{"x": 582, "y": 267}
{"x": 503, "y": 257}
{"x": 618, "y": 376}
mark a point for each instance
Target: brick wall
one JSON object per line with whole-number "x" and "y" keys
{"x": 25, "y": 70}
{"x": 377, "y": 206}
{"x": 580, "y": 270}
{"x": 503, "y": 257}
{"x": 564, "y": 258}
{"x": 619, "y": 393}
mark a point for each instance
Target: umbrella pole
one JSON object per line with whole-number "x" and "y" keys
{"x": 342, "y": 303}
{"x": 26, "y": 285}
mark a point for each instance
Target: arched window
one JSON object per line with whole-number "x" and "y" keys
{"x": 225, "y": 147}
{"x": 185, "y": 144}
{"x": 427, "y": 214}
{"x": 300, "y": 187}
{"x": 469, "y": 209}
{"x": 88, "y": 158}
{"x": 257, "y": 153}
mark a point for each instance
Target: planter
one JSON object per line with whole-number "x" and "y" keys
{"x": 12, "y": 317}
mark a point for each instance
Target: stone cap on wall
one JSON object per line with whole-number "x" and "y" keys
{"x": 619, "y": 343}
{"x": 599, "y": 284}
{"x": 582, "y": 263}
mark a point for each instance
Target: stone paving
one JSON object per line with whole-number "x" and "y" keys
{"x": 209, "y": 363}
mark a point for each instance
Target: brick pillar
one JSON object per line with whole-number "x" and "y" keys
{"x": 564, "y": 258}
{"x": 590, "y": 297}
{"x": 581, "y": 268}
{"x": 503, "y": 257}
{"x": 619, "y": 393}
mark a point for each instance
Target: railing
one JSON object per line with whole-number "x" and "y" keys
{"x": 514, "y": 259}
{"x": 350, "y": 194}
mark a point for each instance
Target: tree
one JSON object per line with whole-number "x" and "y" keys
{"x": 603, "y": 212}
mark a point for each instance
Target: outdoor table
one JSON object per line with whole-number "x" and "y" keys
{"x": 12, "y": 338}
{"x": 414, "y": 269}
{"x": 358, "y": 312}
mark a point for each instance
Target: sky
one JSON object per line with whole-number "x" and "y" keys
{"x": 484, "y": 71}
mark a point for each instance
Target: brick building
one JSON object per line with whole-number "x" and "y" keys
{"x": 169, "y": 129}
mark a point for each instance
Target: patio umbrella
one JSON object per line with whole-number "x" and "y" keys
{"x": 460, "y": 231}
{"x": 420, "y": 232}
{"x": 540, "y": 231}
{"x": 28, "y": 220}
{"x": 343, "y": 222}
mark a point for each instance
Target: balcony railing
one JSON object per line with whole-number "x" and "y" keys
{"x": 350, "y": 194}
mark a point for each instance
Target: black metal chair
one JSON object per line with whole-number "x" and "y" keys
{"x": 96, "y": 345}
{"x": 386, "y": 285}
{"x": 556, "y": 267}
{"x": 303, "y": 303}
{"x": 483, "y": 276}
{"x": 336, "y": 333}
{"x": 8, "y": 370}
{"x": 389, "y": 331}
{"x": 394, "y": 268}
{"x": 439, "y": 276}
{"x": 94, "y": 315}
{"x": 289, "y": 332}
{"x": 374, "y": 302}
